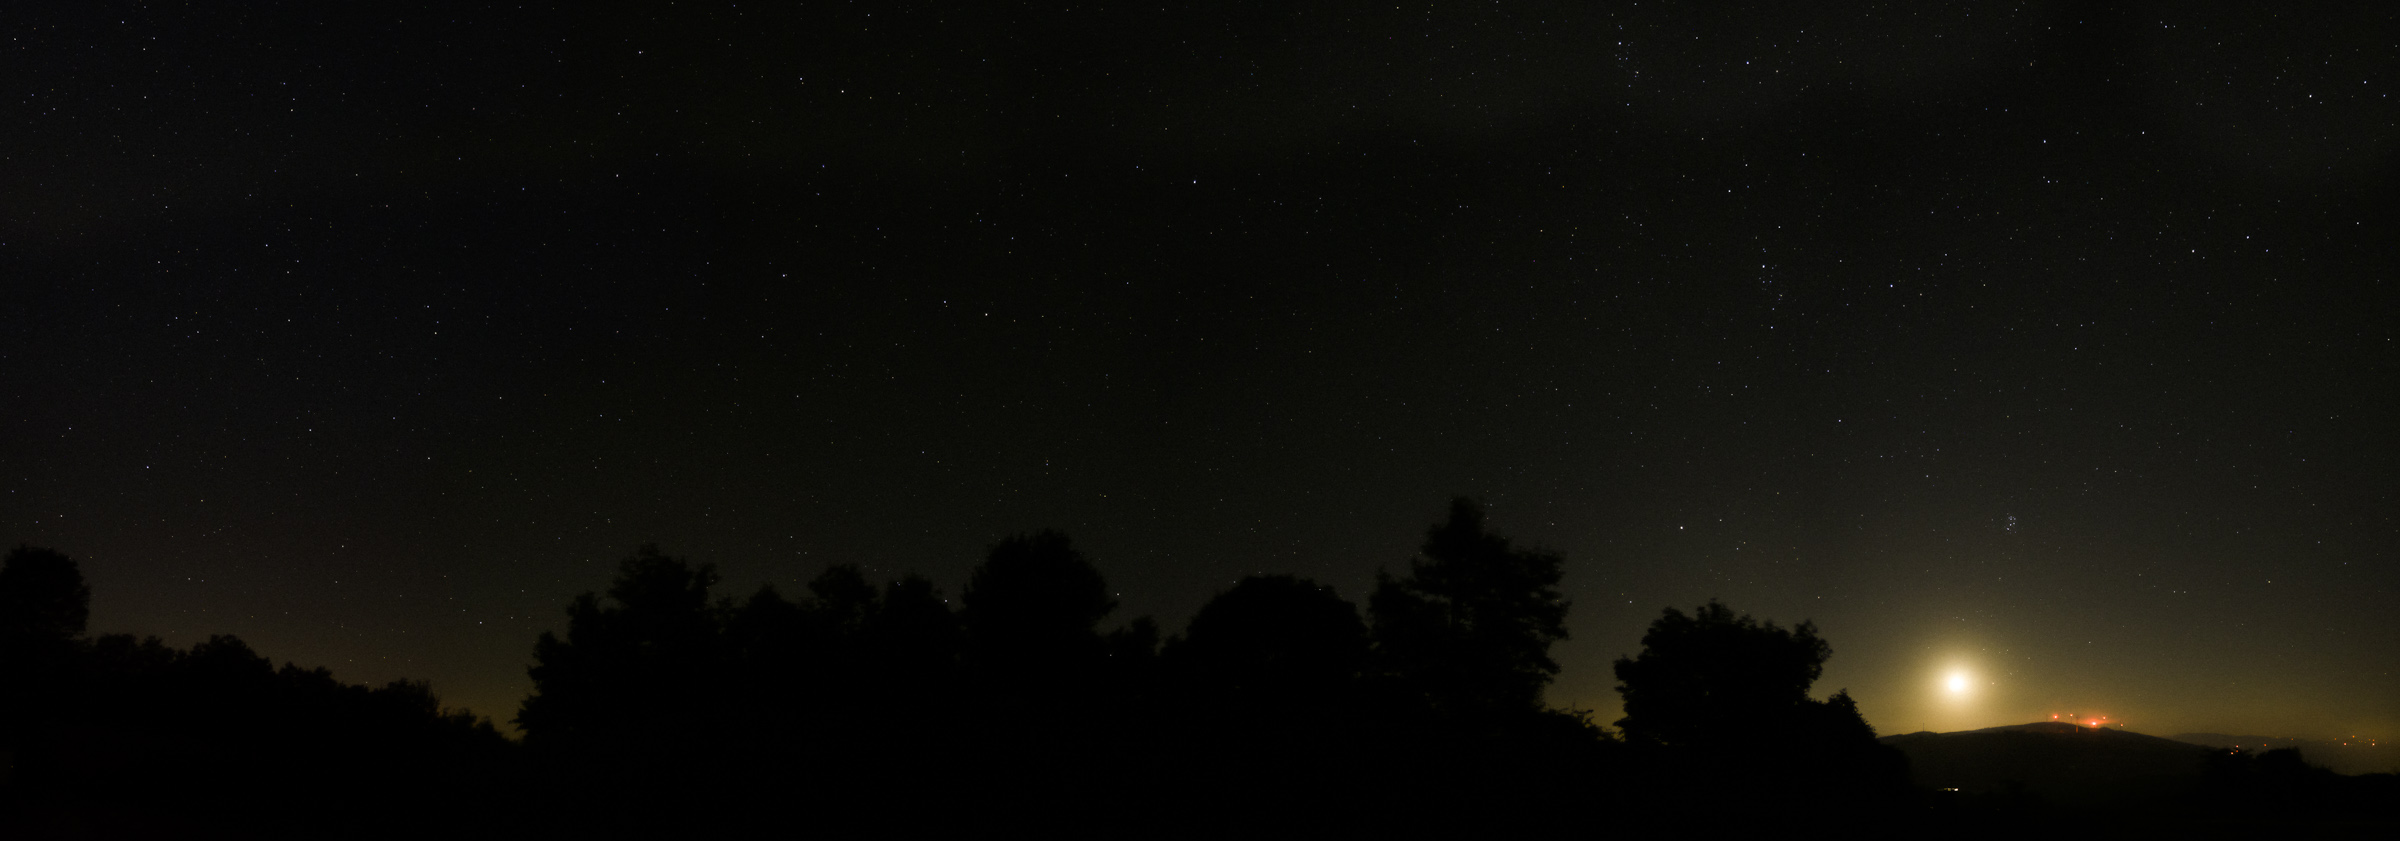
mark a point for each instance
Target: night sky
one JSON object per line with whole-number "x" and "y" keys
{"x": 2044, "y": 344}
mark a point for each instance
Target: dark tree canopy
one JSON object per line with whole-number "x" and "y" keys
{"x": 1275, "y": 635}
{"x": 1725, "y": 697}
{"x": 42, "y": 596}
{"x": 1470, "y": 627}
{"x": 124, "y": 737}
{"x": 226, "y": 658}
{"x": 844, "y": 600}
{"x": 632, "y": 669}
{"x": 912, "y": 632}
{"x": 1713, "y": 676}
{"x": 848, "y": 644}
{"x": 842, "y": 687}
{"x": 1034, "y": 603}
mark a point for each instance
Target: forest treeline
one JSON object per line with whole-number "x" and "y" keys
{"x": 865, "y": 706}
{"x": 115, "y": 736}
{"x": 1280, "y": 700}
{"x": 883, "y": 707}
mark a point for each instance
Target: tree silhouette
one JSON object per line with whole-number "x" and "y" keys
{"x": 909, "y": 646}
{"x": 914, "y": 634}
{"x": 43, "y": 597}
{"x": 225, "y": 659}
{"x": 1273, "y": 638}
{"x": 1725, "y": 698}
{"x": 1032, "y": 609}
{"x": 1469, "y": 630}
{"x": 843, "y": 599}
{"x": 1262, "y": 703}
{"x": 44, "y": 604}
{"x": 1034, "y": 661}
{"x": 636, "y": 674}
{"x": 1133, "y": 656}
{"x": 843, "y": 660}
{"x": 1715, "y": 678}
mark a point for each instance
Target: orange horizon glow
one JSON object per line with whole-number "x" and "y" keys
{"x": 2095, "y": 721}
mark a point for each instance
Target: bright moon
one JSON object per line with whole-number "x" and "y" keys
{"x": 1958, "y": 684}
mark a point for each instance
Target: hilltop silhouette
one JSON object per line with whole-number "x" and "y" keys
{"x": 2059, "y": 761}
{"x": 2345, "y": 756}
{"x": 2052, "y": 777}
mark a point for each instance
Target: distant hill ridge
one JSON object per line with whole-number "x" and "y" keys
{"x": 2066, "y": 762}
{"x": 2063, "y": 728}
{"x": 2345, "y": 756}
{"x": 2054, "y": 760}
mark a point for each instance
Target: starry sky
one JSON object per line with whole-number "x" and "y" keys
{"x": 2045, "y": 345}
